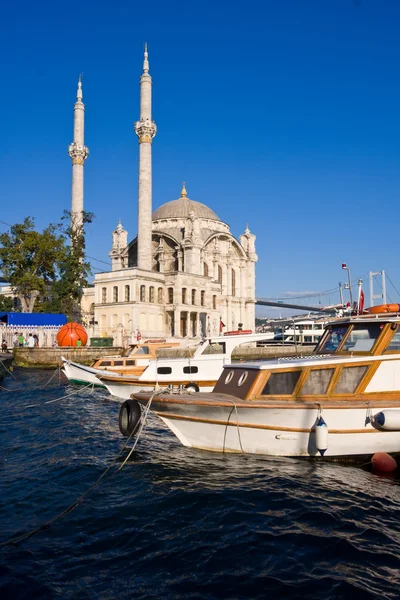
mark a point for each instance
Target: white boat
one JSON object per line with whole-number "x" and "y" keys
{"x": 341, "y": 401}
{"x": 307, "y": 332}
{"x": 199, "y": 373}
{"x": 133, "y": 362}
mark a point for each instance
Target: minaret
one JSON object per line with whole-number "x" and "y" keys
{"x": 78, "y": 153}
{"x": 145, "y": 129}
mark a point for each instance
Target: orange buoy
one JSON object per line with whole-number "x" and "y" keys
{"x": 72, "y": 334}
{"x": 383, "y": 462}
{"x": 383, "y": 308}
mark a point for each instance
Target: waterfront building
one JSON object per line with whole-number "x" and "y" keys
{"x": 184, "y": 275}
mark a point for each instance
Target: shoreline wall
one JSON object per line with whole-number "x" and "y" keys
{"x": 51, "y": 357}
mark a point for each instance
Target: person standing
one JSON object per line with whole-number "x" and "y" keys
{"x": 31, "y": 341}
{"x": 21, "y": 340}
{"x": 15, "y": 340}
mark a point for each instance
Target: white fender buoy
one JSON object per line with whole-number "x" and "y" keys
{"x": 321, "y": 436}
{"x": 388, "y": 419}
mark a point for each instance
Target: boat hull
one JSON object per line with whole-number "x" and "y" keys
{"x": 125, "y": 390}
{"x": 272, "y": 430}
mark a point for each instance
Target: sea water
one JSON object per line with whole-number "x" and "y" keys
{"x": 174, "y": 522}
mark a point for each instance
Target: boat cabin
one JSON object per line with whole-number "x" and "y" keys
{"x": 136, "y": 355}
{"x": 357, "y": 358}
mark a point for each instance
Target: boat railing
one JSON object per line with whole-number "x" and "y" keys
{"x": 303, "y": 357}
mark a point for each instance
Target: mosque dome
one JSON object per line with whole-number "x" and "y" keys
{"x": 181, "y": 208}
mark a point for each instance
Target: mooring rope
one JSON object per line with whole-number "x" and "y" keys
{"x": 29, "y": 387}
{"x": 78, "y": 501}
{"x": 237, "y": 425}
{"x": 143, "y": 422}
{"x": 73, "y": 393}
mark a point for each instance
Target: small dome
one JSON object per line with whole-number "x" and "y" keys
{"x": 182, "y": 207}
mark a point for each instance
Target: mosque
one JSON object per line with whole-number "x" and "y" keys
{"x": 184, "y": 275}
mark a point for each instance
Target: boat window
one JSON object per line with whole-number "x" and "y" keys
{"x": 229, "y": 377}
{"x": 333, "y": 339}
{"x": 242, "y": 378}
{"x": 118, "y": 363}
{"x": 362, "y": 337}
{"x": 349, "y": 379}
{"x": 164, "y": 370}
{"x": 317, "y": 382}
{"x": 394, "y": 345}
{"x": 190, "y": 369}
{"x": 215, "y": 348}
{"x": 142, "y": 350}
{"x": 105, "y": 363}
{"x": 130, "y": 363}
{"x": 281, "y": 384}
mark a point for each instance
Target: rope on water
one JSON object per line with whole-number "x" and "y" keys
{"x": 24, "y": 536}
{"x": 73, "y": 393}
{"x": 25, "y": 388}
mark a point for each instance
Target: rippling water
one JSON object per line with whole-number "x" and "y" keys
{"x": 174, "y": 522}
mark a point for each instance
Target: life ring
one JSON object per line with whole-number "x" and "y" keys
{"x": 383, "y": 308}
{"x": 129, "y": 417}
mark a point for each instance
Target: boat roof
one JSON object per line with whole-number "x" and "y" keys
{"x": 368, "y": 318}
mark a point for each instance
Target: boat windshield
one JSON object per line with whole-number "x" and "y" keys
{"x": 362, "y": 338}
{"x": 332, "y": 339}
{"x": 129, "y": 350}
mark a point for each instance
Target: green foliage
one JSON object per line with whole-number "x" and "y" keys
{"x": 74, "y": 269}
{"x": 45, "y": 271}
{"x": 6, "y": 303}
{"x": 28, "y": 259}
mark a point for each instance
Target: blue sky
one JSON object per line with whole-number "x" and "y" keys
{"x": 283, "y": 115}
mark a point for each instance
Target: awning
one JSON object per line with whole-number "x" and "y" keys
{"x": 33, "y": 319}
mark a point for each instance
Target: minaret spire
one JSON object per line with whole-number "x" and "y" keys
{"x": 145, "y": 129}
{"x": 146, "y": 60}
{"x": 78, "y": 153}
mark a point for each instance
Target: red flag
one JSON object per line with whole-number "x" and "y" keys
{"x": 361, "y": 301}
{"x": 221, "y": 325}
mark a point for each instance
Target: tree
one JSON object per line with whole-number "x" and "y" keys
{"x": 29, "y": 260}
{"x": 74, "y": 270}
{"x": 45, "y": 271}
{"x": 6, "y": 303}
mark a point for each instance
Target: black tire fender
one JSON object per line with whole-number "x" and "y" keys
{"x": 129, "y": 417}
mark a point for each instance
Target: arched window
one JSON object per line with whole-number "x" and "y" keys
{"x": 103, "y": 295}
{"x": 205, "y": 269}
{"x": 193, "y": 296}
{"x": 202, "y": 297}
{"x": 142, "y": 293}
{"x": 233, "y": 282}
{"x": 170, "y": 295}
{"x": 183, "y": 295}
{"x": 127, "y": 293}
{"x": 214, "y": 302}
{"x": 219, "y": 274}
{"x": 151, "y": 294}
{"x": 115, "y": 294}
{"x": 160, "y": 295}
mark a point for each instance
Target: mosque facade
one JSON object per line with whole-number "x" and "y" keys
{"x": 185, "y": 275}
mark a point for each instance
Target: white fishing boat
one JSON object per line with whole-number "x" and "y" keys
{"x": 341, "y": 401}
{"x": 198, "y": 373}
{"x": 132, "y": 362}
